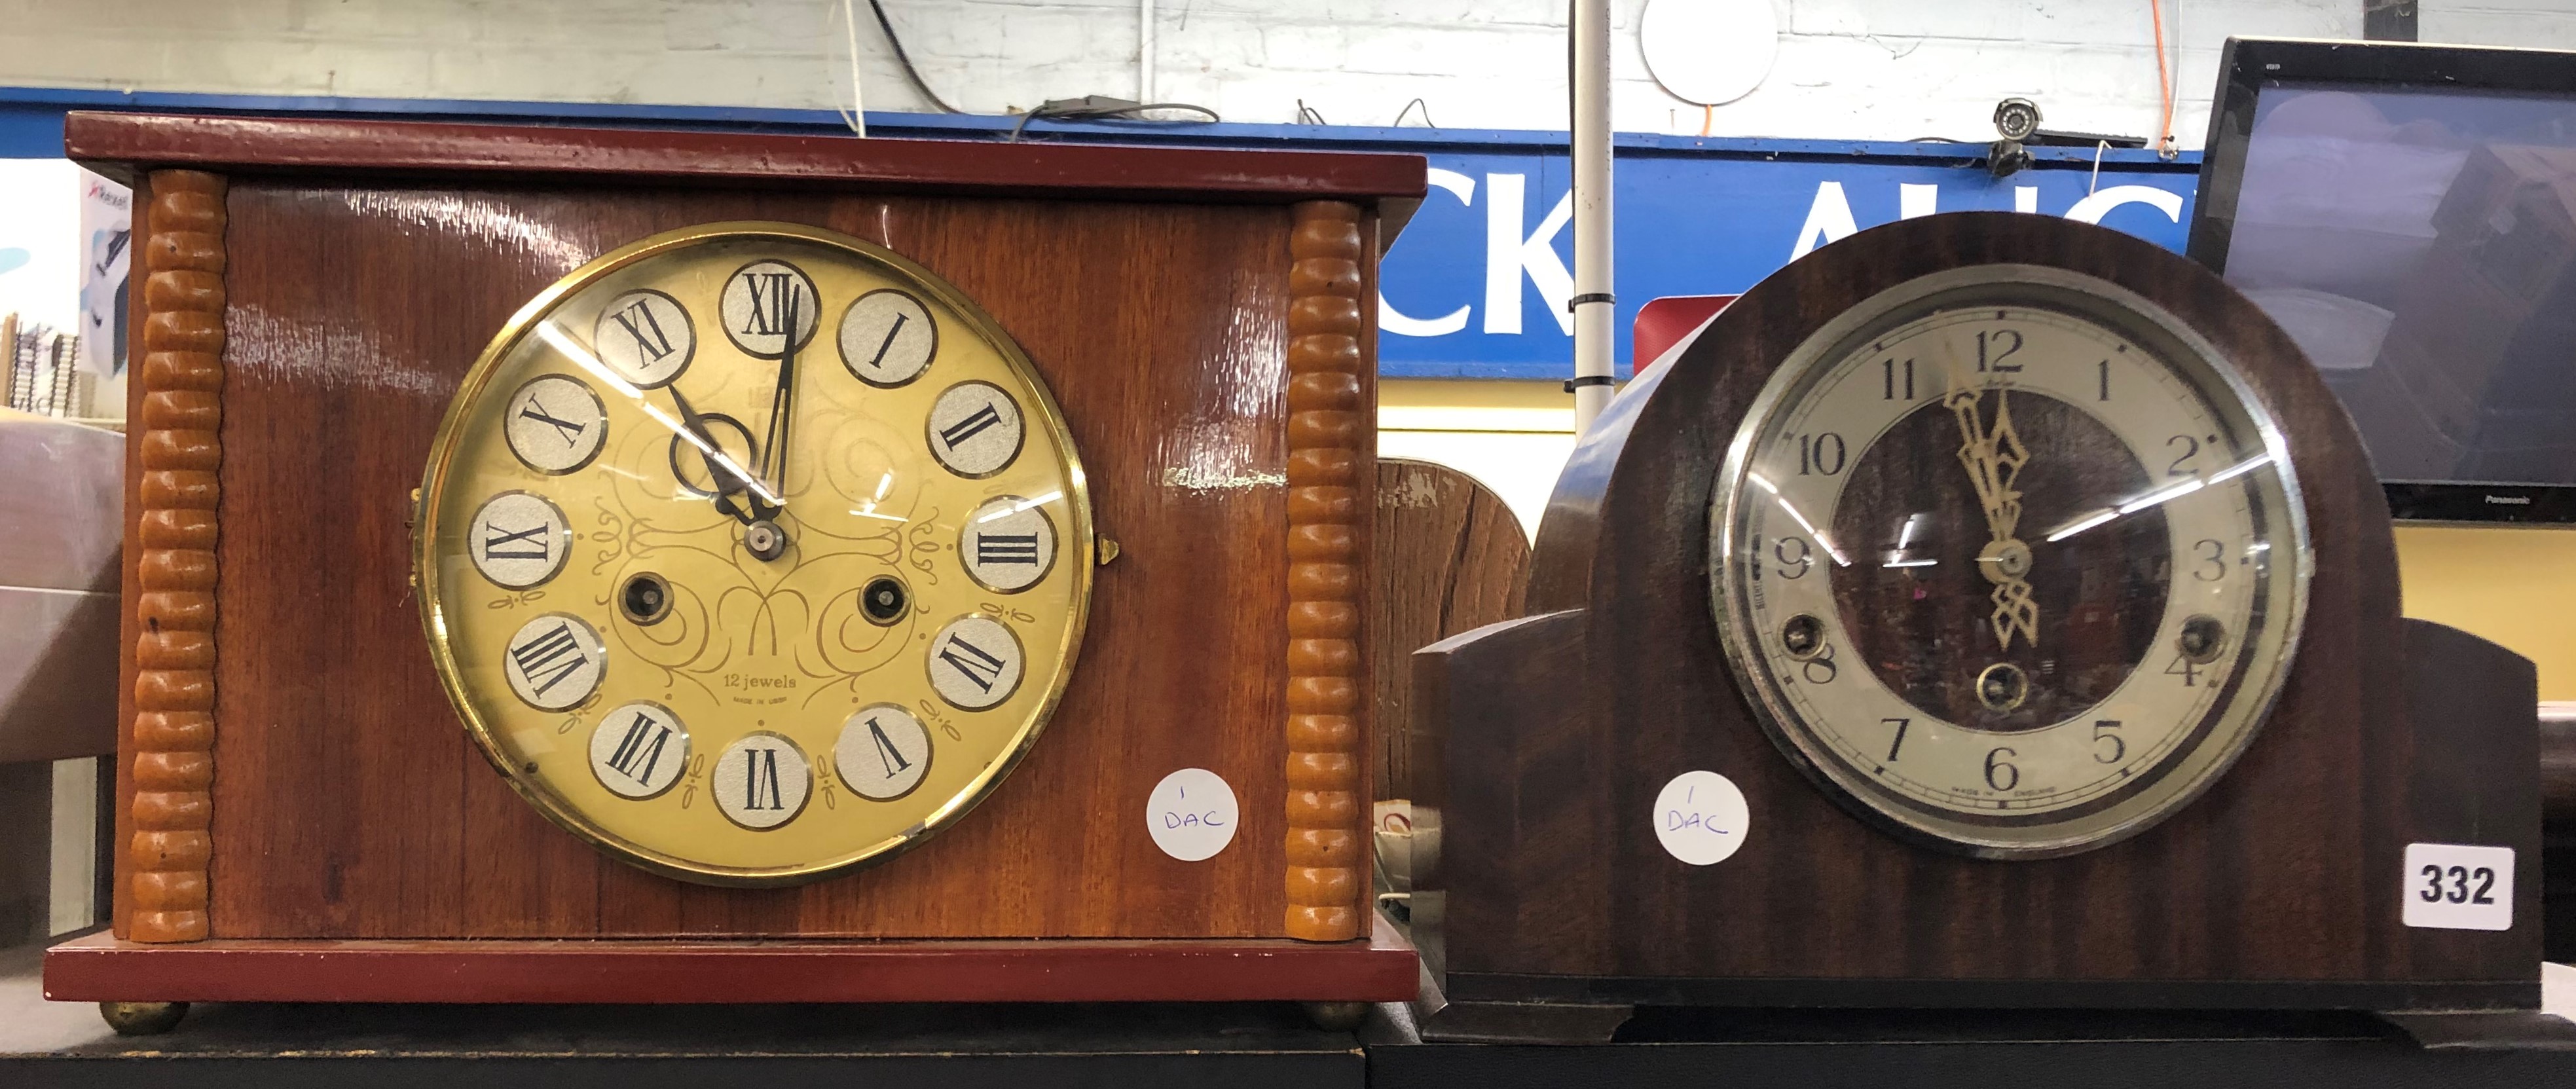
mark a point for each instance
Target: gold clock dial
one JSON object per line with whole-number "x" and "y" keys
{"x": 2010, "y": 561}
{"x": 752, "y": 552}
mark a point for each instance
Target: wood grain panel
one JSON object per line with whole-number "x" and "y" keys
{"x": 356, "y": 806}
{"x": 1449, "y": 558}
{"x": 2285, "y": 872}
{"x": 169, "y": 763}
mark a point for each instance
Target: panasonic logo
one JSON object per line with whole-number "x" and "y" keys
{"x": 2510, "y": 500}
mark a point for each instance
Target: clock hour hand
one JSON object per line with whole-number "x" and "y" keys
{"x": 1994, "y": 458}
{"x": 736, "y": 494}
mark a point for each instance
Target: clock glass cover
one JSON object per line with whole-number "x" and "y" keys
{"x": 2010, "y": 561}
{"x": 752, "y": 552}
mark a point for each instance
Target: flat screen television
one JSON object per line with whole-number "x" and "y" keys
{"x": 2408, "y": 214}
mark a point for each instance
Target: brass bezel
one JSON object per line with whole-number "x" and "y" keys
{"x": 478, "y": 378}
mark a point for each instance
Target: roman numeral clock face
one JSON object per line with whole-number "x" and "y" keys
{"x": 753, "y": 552}
{"x": 2009, "y": 561}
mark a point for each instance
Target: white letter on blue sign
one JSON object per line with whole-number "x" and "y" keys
{"x": 1508, "y": 255}
{"x": 1829, "y": 219}
{"x": 1388, "y": 318}
{"x": 2092, "y": 208}
{"x": 1917, "y": 201}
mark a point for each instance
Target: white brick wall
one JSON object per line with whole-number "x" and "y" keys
{"x": 1867, "y": 69}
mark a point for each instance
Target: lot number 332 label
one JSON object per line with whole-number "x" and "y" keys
{"x": 2451, "y": 886}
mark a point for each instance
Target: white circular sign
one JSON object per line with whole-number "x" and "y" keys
{"x": 1709, "y": 52}
{"x": 1191, "y": 814}
{"x": 1700, "y": 818}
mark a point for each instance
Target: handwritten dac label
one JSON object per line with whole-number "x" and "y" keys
{"x": 2452, "y": 886}
{"x": 1700, "y": 817}
{"x": 1191, "y": 814}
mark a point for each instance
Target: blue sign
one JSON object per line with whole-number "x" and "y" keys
{"x": 1476, "y": 284}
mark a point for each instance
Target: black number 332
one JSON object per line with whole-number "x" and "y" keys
{"x": 2459, "y": 892}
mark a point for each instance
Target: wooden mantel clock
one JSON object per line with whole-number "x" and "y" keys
{"x": 944, "y": 544}
{"x": 1985, "y": 611}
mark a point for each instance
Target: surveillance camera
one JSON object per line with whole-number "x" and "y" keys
{"x": 2016, "y": 118}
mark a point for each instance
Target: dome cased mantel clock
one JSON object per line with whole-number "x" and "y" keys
{"x": 1985, "y": 611}
{"x": 719, "y": 548}
{"x": 2065, "y": 595}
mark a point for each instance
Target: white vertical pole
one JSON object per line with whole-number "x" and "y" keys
{"x": 858, "y": 117}
{"x": 1145, "y": 50}
{"x": 1593, "y": 306}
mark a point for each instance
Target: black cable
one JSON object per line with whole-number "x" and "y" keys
{"x": 1408, "y": 108}
{"x": 905, "y": 59}
{"x": 1305, "y": 111}
{"x": 1076, "y": 110}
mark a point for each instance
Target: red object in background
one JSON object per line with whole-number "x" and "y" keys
{"x": 1663, "y": 323}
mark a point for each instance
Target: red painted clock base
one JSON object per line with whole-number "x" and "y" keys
{"x": 100, "y": 968}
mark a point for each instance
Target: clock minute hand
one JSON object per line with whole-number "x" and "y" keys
{"x": 782, "y": 406}
{"x": 1993, "y": 458}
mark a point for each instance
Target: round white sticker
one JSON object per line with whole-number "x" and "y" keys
{"x": 1700, "y": 817}
{"x": 1191, "y": 814}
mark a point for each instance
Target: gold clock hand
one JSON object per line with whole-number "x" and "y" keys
{"x": 729, "y": 479}
{"x": 2005, "y": 456}
{"x": 2015, "y": 610}
{"x": 782, "y": 407}
{"x": 1994, "y": 458}
{"x": 1976, "y": 451}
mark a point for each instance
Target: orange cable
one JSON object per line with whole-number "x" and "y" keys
{"x": 1707, "y": 117}
{"x": 2164, "y": 84}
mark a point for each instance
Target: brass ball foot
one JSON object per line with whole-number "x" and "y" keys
{"x": 142, "y": 1018}
{"x": 1336, "y": 1016}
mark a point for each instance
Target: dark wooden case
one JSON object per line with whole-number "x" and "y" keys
{"x": 303, "y": 817}
{"x": 1544, "y": 741}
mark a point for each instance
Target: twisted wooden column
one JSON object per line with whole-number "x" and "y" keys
{"x": 1328, "y": 438}
{"x": 172, "y": 744}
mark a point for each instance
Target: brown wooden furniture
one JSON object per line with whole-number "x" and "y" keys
{"x": 58, "y": 570}
{"x": 1450, "y": 558}
{"x": 295, "y": 790}
{"x": 2558, "y": 830}
{"x": 2280, "y": 887}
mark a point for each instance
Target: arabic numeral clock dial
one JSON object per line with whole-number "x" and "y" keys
{"x": 2009, "y": 561}
{"x": 751, "y": 553}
